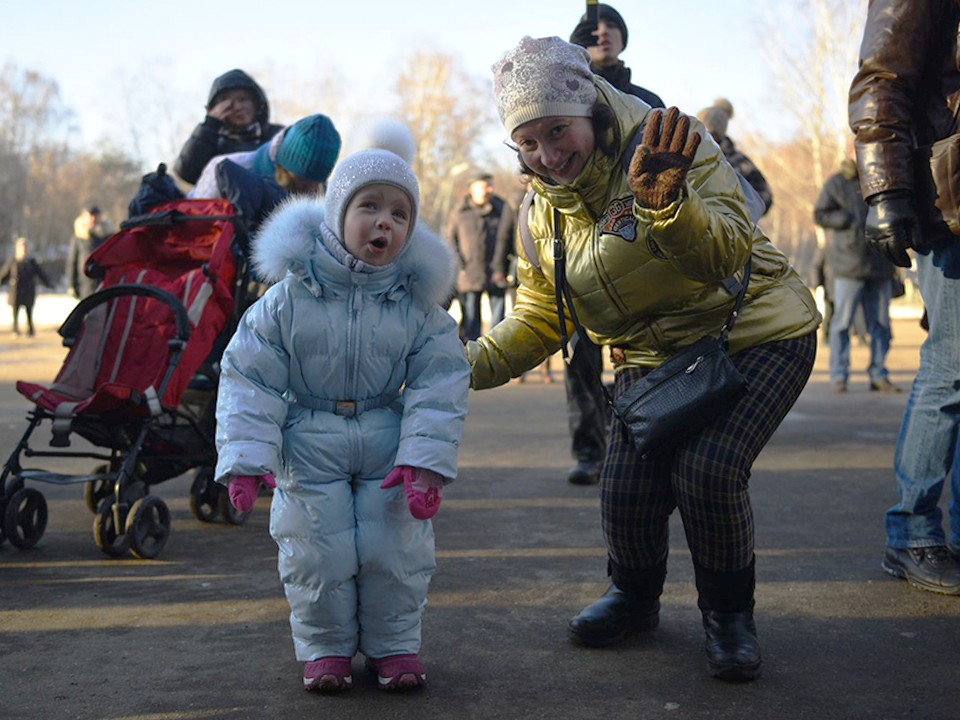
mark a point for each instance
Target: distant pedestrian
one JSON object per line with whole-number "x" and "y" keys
{"x": 716, "y": 118}
{"x": 481, "y": 231}
{"x": 90, "y": 229}
{"x": 861, "y": 278}
{"x": 237, "y": 120}
{"x": 22, "y": 271}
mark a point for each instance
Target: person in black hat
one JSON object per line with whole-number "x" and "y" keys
{"x": 587, "y": 411}
{"x": 605, "y": 40}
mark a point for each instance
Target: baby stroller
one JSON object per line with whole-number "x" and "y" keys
{"x": 139, "y": 381}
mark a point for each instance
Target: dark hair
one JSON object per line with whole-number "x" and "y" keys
{"x": 606, "y": 135}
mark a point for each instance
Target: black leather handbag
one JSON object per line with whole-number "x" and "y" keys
{"x": 685, "y": 393}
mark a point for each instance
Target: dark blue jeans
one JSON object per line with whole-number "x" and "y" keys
{"x": 470, "y": 322}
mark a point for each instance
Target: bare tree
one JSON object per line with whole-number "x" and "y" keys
{"x": 155, "y": 118}
{"x": 811, "y": 48}
{"x": 447, "y": 113}
{"x": 294, "y": 94}
{"x": 34, "y": 128}
{"x": 43, "y": 181}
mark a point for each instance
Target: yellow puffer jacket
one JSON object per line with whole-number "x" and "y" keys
{"x": 646, "y": 281}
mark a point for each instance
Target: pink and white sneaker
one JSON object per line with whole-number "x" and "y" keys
{"x": 398, "y": 672}
{"x": 328, "y": 674}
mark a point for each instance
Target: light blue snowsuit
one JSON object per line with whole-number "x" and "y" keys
{"x": 334, "y": 377}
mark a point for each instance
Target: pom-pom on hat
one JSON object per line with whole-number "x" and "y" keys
{"x": 543, "y": 77}
{"x": 388, "y": 134}
{"x": 309, "y": 148}
{"x": 367, "y": 167}
{"x": 715, "y": 118}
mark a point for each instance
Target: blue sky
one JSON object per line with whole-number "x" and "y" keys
{"x": 687, "y": 51}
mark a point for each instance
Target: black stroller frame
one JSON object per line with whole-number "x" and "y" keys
{"x": 164, "y": 443}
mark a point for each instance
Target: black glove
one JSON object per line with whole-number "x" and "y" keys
{"x": 582, "y": 34}
{"x": 892, "y": 226}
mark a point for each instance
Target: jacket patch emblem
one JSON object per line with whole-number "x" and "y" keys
{"x": 619, "y": 220}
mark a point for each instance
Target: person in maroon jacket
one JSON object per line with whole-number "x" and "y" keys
{"x": 905, "y": 96}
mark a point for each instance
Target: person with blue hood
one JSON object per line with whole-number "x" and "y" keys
{"x": 343, "y": 382}
{"x": 238, "y": 119}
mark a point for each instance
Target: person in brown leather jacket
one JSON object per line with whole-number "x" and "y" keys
{"x": 905, "y": 96}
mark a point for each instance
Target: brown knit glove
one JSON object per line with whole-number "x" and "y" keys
{"x": 663, "y": 157}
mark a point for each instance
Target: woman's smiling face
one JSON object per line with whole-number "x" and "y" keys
{"x": 556, "y": 148}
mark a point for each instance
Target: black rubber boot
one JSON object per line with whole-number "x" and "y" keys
{"x": 726, "y": 601}
{"x": 630, "y": 605}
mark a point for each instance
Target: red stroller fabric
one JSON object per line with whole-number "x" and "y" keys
{"x": 122, "y": 352}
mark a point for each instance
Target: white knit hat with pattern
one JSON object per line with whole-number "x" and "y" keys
{"x": 543, "y": 77}
{"x": 366, "y": 168}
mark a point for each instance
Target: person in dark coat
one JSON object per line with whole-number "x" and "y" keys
{"x": 861, "y": 278}
{"x": 238, "y": 119}
{"x": 481, "y": 232}
{"x": 89, "y": 230}
{"x": 587, "y": 411}
{"x": 716, "y": 118}
{"x": 22, "y": 272}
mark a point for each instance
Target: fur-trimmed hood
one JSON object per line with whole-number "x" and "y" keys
{"x": 291, "y": 241}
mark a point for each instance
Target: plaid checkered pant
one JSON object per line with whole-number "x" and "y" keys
{"x": 705, "y": 475}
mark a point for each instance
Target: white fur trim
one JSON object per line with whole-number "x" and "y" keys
{"x": 287, "y": 242}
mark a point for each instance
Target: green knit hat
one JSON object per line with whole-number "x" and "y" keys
{"x": 309, "y": 148}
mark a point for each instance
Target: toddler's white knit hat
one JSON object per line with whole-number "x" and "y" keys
{"x": 366, "y": 168}
{"x": 543, "y": 77}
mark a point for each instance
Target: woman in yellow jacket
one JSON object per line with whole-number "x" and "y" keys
{"x": 651, "y": 231}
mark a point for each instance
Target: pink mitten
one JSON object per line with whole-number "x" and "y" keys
{"x": 243, "y": 489}
{"x": 423, "y": 488}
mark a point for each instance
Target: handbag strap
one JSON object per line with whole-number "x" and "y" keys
{"x": 563, "y": 294}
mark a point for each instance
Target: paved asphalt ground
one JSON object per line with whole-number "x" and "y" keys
{"x": 201, "y": 632}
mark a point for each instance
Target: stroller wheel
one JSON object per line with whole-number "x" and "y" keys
{"x": 229, "y": 512}
{"x": 148, "y": 527}
{"x": 205, "y": 496}
{"x": 96, "y": 490}
{"x": 25, "y": 518}
{"x": 13, "y": 483}
{"x": 105, "y": 533}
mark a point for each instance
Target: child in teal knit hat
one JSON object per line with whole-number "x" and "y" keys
{"x": 299, "y": 158}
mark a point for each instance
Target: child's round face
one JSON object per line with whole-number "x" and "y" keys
{"x": 376, "y": 223}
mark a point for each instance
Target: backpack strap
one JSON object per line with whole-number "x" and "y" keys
{"x": 526, "y": 237}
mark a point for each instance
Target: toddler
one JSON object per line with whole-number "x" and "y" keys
{"x": 344, "y": 382}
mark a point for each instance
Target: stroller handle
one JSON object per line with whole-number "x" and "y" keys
{"x": 71, "y": 326}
